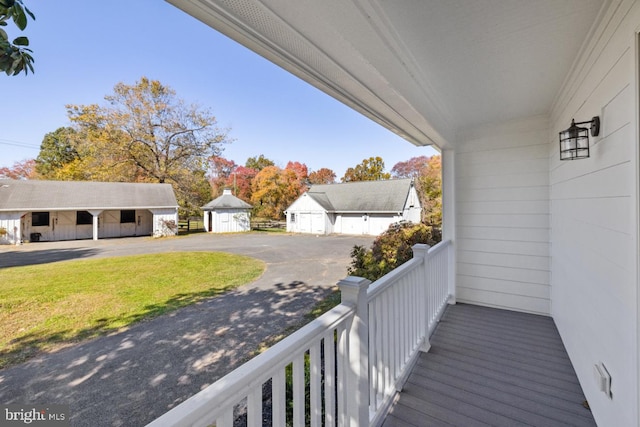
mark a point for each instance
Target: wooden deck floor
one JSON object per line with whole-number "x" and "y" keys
{"x": 492, "y": 367}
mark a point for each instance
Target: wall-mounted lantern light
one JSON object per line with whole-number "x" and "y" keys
{"x": 574, "y": 142}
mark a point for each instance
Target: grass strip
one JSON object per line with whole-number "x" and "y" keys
{"x": 46, "y": 306}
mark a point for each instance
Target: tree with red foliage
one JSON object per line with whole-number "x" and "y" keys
{"x": 221, "y": 170}
{"x": 301, "y": 170}
{"x": 240, "y": 180}
{"x": 412, "y": 168}
{"x": 25, "y": 169}
{"x": 302, "y": 173}
{"x": 322, "y": 176}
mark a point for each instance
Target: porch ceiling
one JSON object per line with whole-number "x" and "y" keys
{"x": 422, "y": 68}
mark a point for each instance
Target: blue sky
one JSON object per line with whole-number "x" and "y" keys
{"x": 83, "y": 48}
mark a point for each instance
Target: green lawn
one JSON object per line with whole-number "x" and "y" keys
{"x": 45, "y": 306}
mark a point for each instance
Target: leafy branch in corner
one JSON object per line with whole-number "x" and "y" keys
{"x": 15, "y": 56}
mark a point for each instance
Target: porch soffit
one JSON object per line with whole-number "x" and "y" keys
{"x": 421, "y": 68}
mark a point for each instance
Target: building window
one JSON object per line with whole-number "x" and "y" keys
{"x": 293, "y": 217}
{"x": 84, "y": 218}
{"x": 127, "y": 217}
{"x": 39, "y": 219}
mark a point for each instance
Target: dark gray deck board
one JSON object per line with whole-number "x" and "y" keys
{"x": 492, "y": 367}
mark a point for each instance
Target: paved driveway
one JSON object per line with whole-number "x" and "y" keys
{"x": 132, "y": 377}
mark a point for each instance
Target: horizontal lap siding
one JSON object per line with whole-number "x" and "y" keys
{"x": 594, "y": 219}
{"x": 502, "y": 188}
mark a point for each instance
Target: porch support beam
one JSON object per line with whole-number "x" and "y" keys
{"x": 95, "y": 214}
{"x": 449, "y": 216}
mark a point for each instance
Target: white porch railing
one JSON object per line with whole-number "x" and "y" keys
{"x": 345, "y": 367}
{"x": 404, "y": 308}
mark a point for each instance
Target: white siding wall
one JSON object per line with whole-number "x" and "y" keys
{"x": 310, "y": 217}
{"x": 412, "y": 208}
{"x": 594, "y": 226}
{"x": 10, "y": 221}
{"x": 160, "y": 215}
{"x": 109, "y": 224}
{"x": 502, "y": 202}
{"x": 228, "y": 220}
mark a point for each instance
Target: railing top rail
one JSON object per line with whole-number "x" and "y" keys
{"x": 390, "y": 278}
{"x": 439, "y": 247}
{"x": 204, "y": 407}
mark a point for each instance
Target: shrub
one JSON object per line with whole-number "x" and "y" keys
{"x": 391, "y": 249}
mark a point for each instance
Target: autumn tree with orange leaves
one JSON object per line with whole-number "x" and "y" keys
{"x": 273, "y": 190}
{"x": 427, "y": 175}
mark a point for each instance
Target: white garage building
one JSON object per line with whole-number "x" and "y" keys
{"x": 365, "y": 207}
{"x": 227, "y": 214}
{"x": 71, "y": 210}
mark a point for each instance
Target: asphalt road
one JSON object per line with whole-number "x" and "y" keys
{"x": 132, "y": 377}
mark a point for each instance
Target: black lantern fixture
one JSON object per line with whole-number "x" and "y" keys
{"x": 574, "y": 142}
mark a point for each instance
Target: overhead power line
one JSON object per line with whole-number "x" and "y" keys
{"x": 19, "y": 144}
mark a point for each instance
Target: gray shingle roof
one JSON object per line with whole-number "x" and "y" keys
{"x": 362, "y": 196}
{"x": 226, "y": 201}
{"x": 19, "y": 195}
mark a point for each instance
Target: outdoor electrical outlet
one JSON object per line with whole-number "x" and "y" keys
{"x": 603, "y": 378}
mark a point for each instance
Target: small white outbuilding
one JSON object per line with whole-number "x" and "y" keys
{"x": 227, "y": 214}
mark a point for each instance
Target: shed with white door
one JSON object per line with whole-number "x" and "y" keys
{"x": 227, "y": 214}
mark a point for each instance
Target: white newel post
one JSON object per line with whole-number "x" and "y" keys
{"x": 354, "y": 292}
{"x": 421, "y": 250}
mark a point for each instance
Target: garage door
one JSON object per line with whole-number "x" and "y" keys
{"x": 352, "y": 224}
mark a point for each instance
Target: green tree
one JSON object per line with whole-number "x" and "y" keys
{"x": 371, "y": 169}
{"x": 146, "y": 134}
{"x": 15, "y": 56}
{"x": 57, "y": 152}
{"x": 258, "y": 163}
